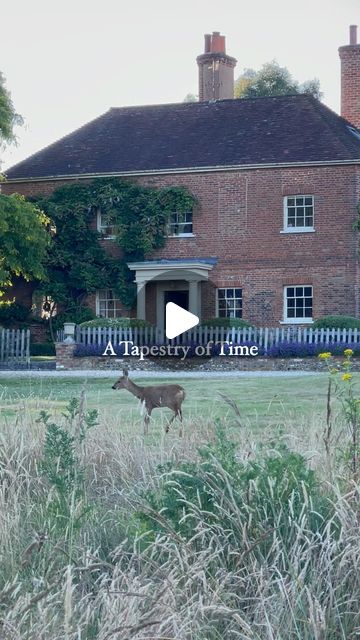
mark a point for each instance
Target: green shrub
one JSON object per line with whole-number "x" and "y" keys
{"x": 11, "y": 312}
{"x": 42, "y": 349}
{"x": 337, "y": 322}
{"x": 116, "y": 323}
{"x": 225, "y": 322}
{"x": 272, "y": 491}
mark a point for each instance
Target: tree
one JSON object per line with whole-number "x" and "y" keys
{"x": 273, "y": 80}
{"x": 190, "y": 97}
{"x": 8, "y": 116}
{"x": 24, "y": 240}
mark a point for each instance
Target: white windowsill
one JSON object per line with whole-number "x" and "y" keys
{"x": 182, "y": 235}
{"x": 297, "y": 321}
{"x": 298, "y": 230}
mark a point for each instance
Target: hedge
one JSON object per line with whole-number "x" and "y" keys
{"x": 116, "y": 323}
{"x": 337, "y": 322}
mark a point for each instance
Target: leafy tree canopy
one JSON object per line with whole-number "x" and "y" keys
{"x": 8, "y": 115}
{"x": 24, "y": 239}
{"x": 272, "y": 80}
{"x": 78, "y": 263}
{"x": 190, "y": 97}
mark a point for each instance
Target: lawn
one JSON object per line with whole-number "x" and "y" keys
{"x": 262, "y": 401}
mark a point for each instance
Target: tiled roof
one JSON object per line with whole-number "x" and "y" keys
{"x": 284, "y": 129}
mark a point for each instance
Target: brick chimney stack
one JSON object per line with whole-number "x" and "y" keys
{"x": 350, "y": 79}
{"x": 216, "y": 70}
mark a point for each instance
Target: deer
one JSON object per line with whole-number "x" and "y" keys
{"x": 153, "y": 397}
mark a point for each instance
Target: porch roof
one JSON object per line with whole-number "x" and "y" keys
{"x": 177, "y": 269}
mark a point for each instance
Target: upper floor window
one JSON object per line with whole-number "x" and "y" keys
{"x": 298, "y": 303}
{"x": 298, "y": 213}
{"x": 104, "y": 225}
{"x": 229, "y": 303}
{"x": 181, "y": 224}
{"x": 107, "y": 304}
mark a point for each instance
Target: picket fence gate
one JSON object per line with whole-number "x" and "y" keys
{"x": 265, "y": 337}
{"x": 14, "y": 346}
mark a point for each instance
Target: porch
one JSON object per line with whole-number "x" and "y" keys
{"x": 179, "y": 281}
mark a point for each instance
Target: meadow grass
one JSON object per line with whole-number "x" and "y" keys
{"x": 261, "y": 401}
{"x": 233, "y": 531}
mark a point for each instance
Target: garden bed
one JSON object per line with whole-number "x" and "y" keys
{"x": 205, "y": 364}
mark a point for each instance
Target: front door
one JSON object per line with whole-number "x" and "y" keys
{"x": 179, "y": 297}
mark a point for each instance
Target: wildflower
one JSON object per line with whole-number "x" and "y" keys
{"x": 334, "y": 370}
{"x": 346, "y": 376}
{"x": 348, "y": 353}
{"x": 324, "y": 356}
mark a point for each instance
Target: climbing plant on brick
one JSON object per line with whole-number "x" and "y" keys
{"x": 78, "y": 264}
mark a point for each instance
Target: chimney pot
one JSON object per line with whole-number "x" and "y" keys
{"x": 353, "y": 34}
{"x": 217, "y": 43}
{"x": 207, "y": 43}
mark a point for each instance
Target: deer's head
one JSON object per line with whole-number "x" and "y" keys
{"x": 122, "y": 383}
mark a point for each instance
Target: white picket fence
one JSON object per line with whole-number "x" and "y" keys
{"x": 14, "y": 346}
{"x": 264, "y": 337}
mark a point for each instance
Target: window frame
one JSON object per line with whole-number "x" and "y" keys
{"x": 297, "y": 320}
{"x": 229, "y": 298}
{"x": 102, "y": 228}
{"x": 171, "y": 224}
{"x": 98, "y": 301}
{"x": 303, "y": 229}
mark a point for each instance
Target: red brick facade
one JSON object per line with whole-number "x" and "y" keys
{"x": 239, "y": 221}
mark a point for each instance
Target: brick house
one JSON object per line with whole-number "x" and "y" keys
{"x": 277, "y": 181}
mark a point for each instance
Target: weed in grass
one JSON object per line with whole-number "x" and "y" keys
{"x": 341, "y": 383}
{"x": 62, "y": 468}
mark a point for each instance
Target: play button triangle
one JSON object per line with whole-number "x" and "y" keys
{"x": 178, "y": 320}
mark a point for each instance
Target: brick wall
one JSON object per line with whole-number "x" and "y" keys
{"x": 239, "y": 220}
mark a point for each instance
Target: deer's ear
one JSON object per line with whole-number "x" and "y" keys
{"x": 125, "y": 373}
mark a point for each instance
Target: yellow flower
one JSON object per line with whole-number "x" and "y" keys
{"x": 348, "y": 353}
{"x": 347, "y": 376}
{"x": 324, "y": 356}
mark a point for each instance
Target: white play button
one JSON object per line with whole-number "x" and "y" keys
{"x": 178, "y": 320}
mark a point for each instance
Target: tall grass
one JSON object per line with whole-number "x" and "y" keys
{"x": 199, "y": 538}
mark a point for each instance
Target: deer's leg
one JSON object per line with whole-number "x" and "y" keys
{"x": 169, "y": 423}
{"x": 179, "y": 414}
{"x": 148, "y": 411}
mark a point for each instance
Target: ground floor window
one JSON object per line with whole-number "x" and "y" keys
{"x": 107, "y": 304}
{"x": 229, "y": 303}
{"x": 298, "y": 303}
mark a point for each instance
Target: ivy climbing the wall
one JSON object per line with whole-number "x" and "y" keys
{"x": 78, "y": 263}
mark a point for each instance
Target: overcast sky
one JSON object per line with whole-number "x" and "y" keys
{"x": 68, "y": 61}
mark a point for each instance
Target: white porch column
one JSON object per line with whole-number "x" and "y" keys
{"x": 194, "y": 297}
{"x": 140, "y": 301}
